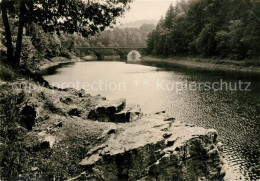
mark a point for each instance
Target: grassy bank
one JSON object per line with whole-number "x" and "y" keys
{"x": 245, "y": 66}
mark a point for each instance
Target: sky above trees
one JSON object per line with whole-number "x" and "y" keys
{"x": 146, "y": 9}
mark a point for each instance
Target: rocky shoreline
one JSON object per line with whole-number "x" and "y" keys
{"x": 72, "y": 135}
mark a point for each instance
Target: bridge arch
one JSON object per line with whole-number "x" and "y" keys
{"x": 134, "y": 56}
{"x": 121, "y": 51}
{"x": 99, "y": 55}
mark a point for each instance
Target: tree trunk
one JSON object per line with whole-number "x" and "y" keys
{"x": 20, "y": 34}
{"x": 8, "y": 35}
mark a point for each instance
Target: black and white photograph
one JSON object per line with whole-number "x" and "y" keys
{"x": 129, "y": 90}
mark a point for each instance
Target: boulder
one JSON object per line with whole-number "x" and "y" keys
{"x": 153, "y": 149}
{"x": 106, "y": 110}
{"x": 49, "y": 141}
{"x": 129, "y": 114}
{"x": 45, "y": 142}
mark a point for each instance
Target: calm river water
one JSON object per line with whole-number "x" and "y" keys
{"x": 189, "y": 96}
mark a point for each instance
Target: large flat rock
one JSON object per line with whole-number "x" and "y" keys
{"x": 155, "y": 149}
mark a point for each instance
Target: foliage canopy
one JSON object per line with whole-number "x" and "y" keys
{"x": 80, "y": 16}
{"x": 228, "y": 29}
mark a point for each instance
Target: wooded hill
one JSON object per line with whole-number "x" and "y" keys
{"x": 211, "y": 28}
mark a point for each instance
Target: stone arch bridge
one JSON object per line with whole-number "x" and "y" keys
{"x": 101, "y": 52}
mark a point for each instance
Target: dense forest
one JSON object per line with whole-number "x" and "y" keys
{"x": 219, "y": 28}
{"x": 123, "y": 37}
{"x": 210, "y": 28}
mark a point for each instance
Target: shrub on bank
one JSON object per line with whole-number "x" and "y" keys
{"x": 252, "y": 62}
{"x": 13, "y": 150}
{"x": 7, "y": 73}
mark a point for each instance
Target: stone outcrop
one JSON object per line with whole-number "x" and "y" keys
{"x": 152, "y": 149}
{"x": 106, "y": 111}
{"x": 109, "y": 140}
{"x": 129, "y": 114}
{"x": 115, "y": 111}
{"x": 44, "y": 141}
{"x": 48, "y": 141}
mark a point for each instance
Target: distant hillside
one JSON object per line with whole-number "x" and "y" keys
{"x": 137, "y": 24}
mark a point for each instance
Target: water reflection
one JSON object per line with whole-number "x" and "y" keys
{"x": 235, "y": 114}
{"x": 54, "y": 69}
